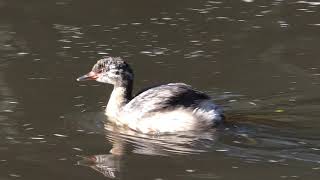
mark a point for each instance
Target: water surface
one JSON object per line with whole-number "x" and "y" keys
{"x": 258, "y": 59}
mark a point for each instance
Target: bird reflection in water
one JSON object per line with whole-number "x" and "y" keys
{"x": 106, "y": 164}
{"x": 125, "y": 142}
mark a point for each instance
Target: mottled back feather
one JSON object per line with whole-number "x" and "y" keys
{"x": 166, "y": 96}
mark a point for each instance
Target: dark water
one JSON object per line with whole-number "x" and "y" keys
{"x": 258, "y": 59}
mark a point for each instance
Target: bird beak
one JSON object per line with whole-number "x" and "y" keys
{"x": 90, "y": 76}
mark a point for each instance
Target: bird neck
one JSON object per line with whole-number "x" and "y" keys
{"x": 119, "y": 97}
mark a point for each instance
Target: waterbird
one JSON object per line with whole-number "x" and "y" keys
{"x": 165, "y": 108}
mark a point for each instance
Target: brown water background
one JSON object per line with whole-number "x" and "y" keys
{"x": 258, "y": 59}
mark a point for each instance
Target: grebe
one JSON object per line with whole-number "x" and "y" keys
{"x": 161, "y": 109}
